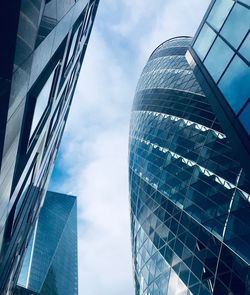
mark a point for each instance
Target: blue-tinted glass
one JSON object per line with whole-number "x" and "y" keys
{"x": 219, "y": 13}
{"x": 245, "y": 118}
{"x": 246, "y": 1}
{"x": 48, "y": 21}
{"x": 22, "y": 196}
{"x": 235, "y": 84}
{"x": 41, "y": 103}
{"x": 22, "y": 280}
{"x": 237, "y": 25}
{"x": 54, "y": 238}
{"x": 204, "y": 41}
{"x": 215, "y": 61}
{"x": 245, "y": 48}
{"x": 73, "y": 45}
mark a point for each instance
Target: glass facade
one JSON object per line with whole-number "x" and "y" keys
{"x": 189, "y": 195}
{"x": 220, "y": 52}
{"x": 37, "y": 88}
{"x": 52, "y": 252}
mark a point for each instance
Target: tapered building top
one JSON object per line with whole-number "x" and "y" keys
{"x": 189, "y": 196}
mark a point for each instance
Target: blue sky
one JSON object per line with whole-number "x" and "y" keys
{"x": 92, "y": 161}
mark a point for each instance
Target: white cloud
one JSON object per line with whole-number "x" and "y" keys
{"x": 94, "y": 148}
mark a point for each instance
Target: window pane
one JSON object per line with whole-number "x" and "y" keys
{"x": 73, "y": 44}
{"x": 246, "y": 1}
{"x": 245, "y": 48}
{"x": 215, "y": 61}
{"x": 204, "y": 41}
{"x": 41, "y": 103}
{"x": 235, "y": 84}
{"x": 219, "y": 13}
{"x": 237, "y": 25}
{"x": 245, "y": 118}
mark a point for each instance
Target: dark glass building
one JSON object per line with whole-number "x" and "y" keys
{"x": 189, "y": 195}
{"x": 41, "y": 51}
{"x": 220, "y": 57}
{"x": 50, "y": 263}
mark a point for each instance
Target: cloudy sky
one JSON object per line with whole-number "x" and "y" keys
{"x": 92, "y": 162}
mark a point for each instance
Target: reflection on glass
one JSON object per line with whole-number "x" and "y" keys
{"x": 204, "y": 41}
{"x": 22, "y": 196}
{"x": 48, "y": 21}
{"x": 245, "y": 118}
{"x": 23, "y": 278}
{"x": 41, "y": 103}
{"x": 245, "y": 48}
{"x": 246, "y": 1}
{"x": 218, "y": 58}
{"x": 219, "y": 13}
{"x": 73, "y": 45}
{"x": 235, "y": 84}
{"x": 237, "y": 25}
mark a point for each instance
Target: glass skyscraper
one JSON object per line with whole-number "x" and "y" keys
{"x": 189, "y": 195}
{"x": 50, "y": 263}
{"x": 220, "y": 57}
{"x": 42, "y": 48}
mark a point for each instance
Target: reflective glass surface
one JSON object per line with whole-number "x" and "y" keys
{"x": 41, "y": 103}
{"x": 237, "y": 25}
{"x": 245, "y": 118}
{"x": 38, "y": 36}
{"x": 189, "y": 196}
{"x": 245, "y": 48}
{"x": 235, "y": 84}
{"x": 218, "y": 58}
{"x": 204, "y": 41}
{"x": 219, "y": 13}
{"x": 54, "y": 249}
{"x": 231, "y": 20}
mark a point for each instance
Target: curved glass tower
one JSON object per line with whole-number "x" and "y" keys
{"x": 189, "y": 196}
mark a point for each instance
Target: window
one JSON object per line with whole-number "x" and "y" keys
{"x": 237, "y": 25}
{"x": 218, "y": 58}
{"x": 245, "y": 48}
{"x": 235, "y": 84}
{"x": 245, "y": 118}
{"x": 23, "y": 194}
{"x": 204, "y": 41}
{"x": 219, "y": 13}
{"x": 73, "y": 45}
{"x": 42, "y": 101}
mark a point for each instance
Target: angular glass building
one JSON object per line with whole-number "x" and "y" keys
{"x": 50, "y": 263}
{"x": 189, "y": 195}
{"x": 42, "y": 48}
{"x": 220, "y": 57}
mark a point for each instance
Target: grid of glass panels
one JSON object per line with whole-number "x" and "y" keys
{"x": 52, "y": 252}
{"x": 223, "y": 45}
{"x": 189, "y": 197}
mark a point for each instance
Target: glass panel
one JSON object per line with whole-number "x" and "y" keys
{"x": 246, "y": 1}
{"x": 235, "y": 84}
{"x": 219, "y": 13}
{"x": 48, "y": 21}
{"x": 41, "y": 103}
{"x": 204, "y": 41}
{"x": 237, "y": 25}
{"x": 22, "y": 196}
{"x": 73, "y": 45}
{"x": 245, "y": 48}
{"x": 245, "y": 118}
{"x": 22, "y": 280}
{"x": 216, "y": 62}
